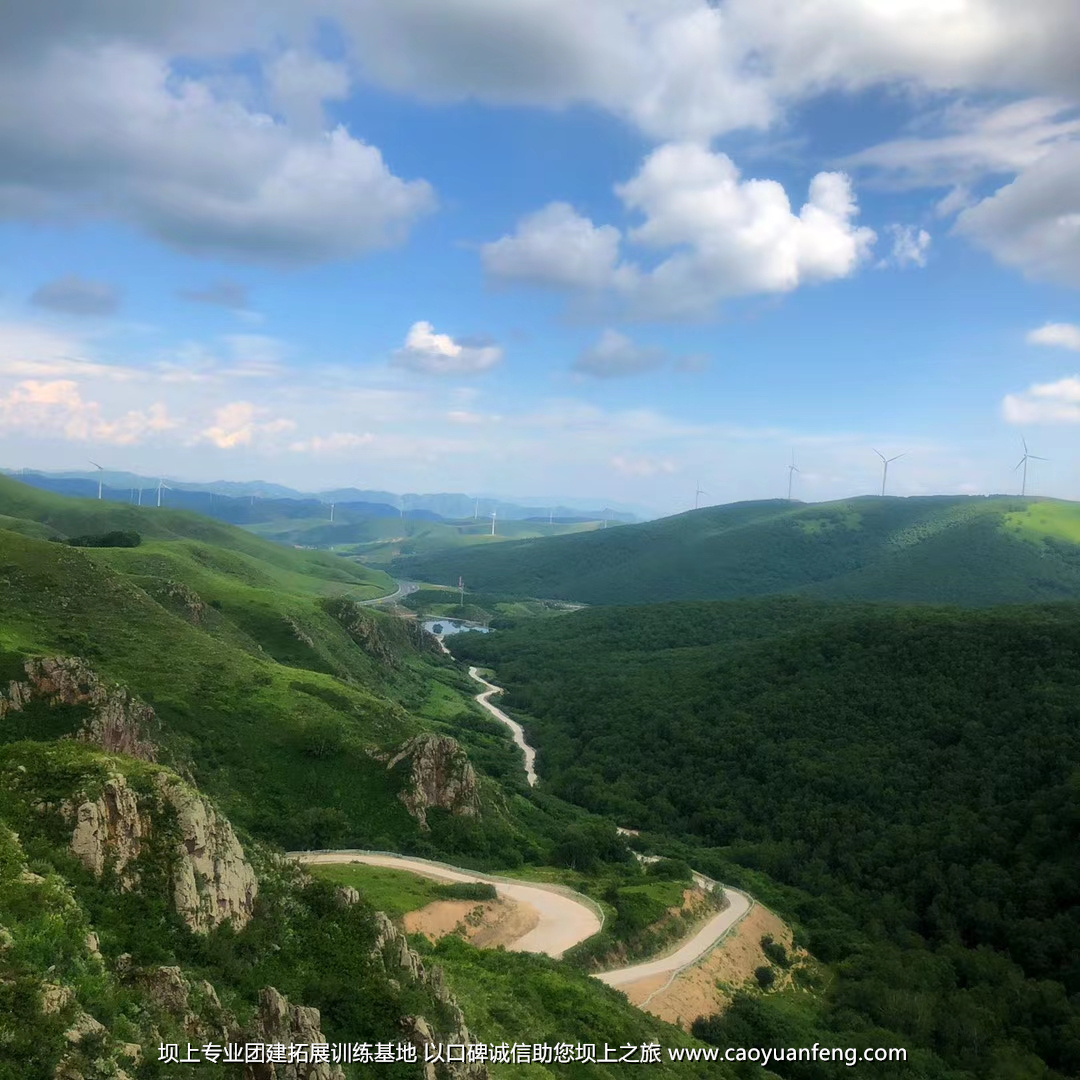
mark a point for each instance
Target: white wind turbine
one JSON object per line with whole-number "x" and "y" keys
{"x": 162, "y": 486}
{"x": 885, "y": 466}
{"x": 332, "y": 513}
{"x": 1023, "y": 461}
{"x": 697, "y": 495}
{"x": 494, "y": 515}
{"x": 792, "y": 469}
{"x": 101, "y": 473}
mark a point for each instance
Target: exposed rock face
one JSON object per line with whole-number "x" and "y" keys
{"x": 440, "y": 774}
{"x": 212, "y": 879}
{"x": 393, "y": 948}
{"x": 279, "y": 1022}
{"x": 118, "y": 720}
{"x": 109, "y": 828}
{"x": 178, "y": 597}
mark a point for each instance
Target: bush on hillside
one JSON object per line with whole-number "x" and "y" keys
{"x": 118, "y": 538}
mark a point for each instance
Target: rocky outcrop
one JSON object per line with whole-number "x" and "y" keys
{"x": 212, "y": 879}
{"x": 177, "y": 597}
{"x": 277, "y": 1021}
{"x": 109, "y": 829}
{"x": 439, "y": 774}
{"x": 119, "y": 722}
{"x": 392, "y": 947}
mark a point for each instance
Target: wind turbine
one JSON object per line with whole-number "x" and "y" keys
{"x": 139, "y": 503}
{"x": 1023, "y": 461}
{"x": 494, "y": 515}
{"x": 476, "y": 510}
{"x": 885, "y": 466}
{"x": 697, "y": 495}
{"x": 162, "y": 486}
{"x": 551, "y": 515}
{"x": 332, "y": 513}
{"x": 792, "y": 469}
{"x": 101, "y": 473}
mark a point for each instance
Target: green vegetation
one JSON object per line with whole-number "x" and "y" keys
{"x": 911, "y": 777}
{"x": 116, "y": 538}
{"x": 398, "y": 891}
{"x": 496, "y": 610}
{"x": 949, "y": 549}
{"x": 522, "y": 998}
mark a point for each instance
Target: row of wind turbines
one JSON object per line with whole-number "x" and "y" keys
{"x": 162, "y": 486}
{"x": 885, "y": 463}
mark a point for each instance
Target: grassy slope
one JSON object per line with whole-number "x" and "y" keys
{"x": 965, "y": 550}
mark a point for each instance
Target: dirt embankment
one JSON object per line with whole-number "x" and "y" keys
{"x": 487, "y": 925}
{"x": 708, "y": 986}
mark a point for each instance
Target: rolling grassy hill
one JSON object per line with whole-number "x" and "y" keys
{"x": 953, "y": 549}
{"x": 377, "y": 541}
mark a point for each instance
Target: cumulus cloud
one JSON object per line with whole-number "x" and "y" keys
{"x": 694, "y": 69}
{"x": 557, "y": 247}
{"x": 240, "y": 423}
{"x": 57, "y": 407}
{"x": 112, "y": 130}
{"x": 615, "y": 355}
{"x": 439, "y": 354}
{"x": 74, "y": 295}
{"x": 226, "y": 294}
{"x": 1045, "y": 403}
{"x": 910, "y": 246}
{"x": 729, "y": 236}
{"x": 1063, "y": 335}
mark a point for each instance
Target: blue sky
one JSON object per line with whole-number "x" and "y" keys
{"x": 532, "y": 248}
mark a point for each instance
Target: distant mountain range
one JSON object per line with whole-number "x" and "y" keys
{"x": 248, "y": 502}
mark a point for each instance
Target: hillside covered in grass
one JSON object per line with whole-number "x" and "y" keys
{"x": 945, "y": 549}
{"x": 913, "y": 774}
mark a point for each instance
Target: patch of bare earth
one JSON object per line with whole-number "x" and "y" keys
{"x": 487, "y": 925}
{"x": 708, "y": 986}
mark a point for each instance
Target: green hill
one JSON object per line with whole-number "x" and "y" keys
{"x": 913, "y": 772}
{"x": 965, "y": 550}
{"x": 377, "y": 541}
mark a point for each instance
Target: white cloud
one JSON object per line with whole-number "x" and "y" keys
{"x": 642, "y": 466}
{"x": 439, "y": 354}
{"x": 240, "y": 423}
{"x": 694, "y": 69}
{"x": 300, "y": 83}
{"x": 74, "y": 295}
{"x": 226, "y": 294}
{"x": 1045, "y": 403}
{"x": 730, "y": 237}
{"x": 910, "y": 246}
{"x": 1063, "y": 335}
{"x": 556, "y": 247}
{"x": 615, "y": 355}
{"x": 1033, "y": 223}
{"x": 337, "y": 443}
{"x": 57, "y": 408}
{"x": 112, "y": 130}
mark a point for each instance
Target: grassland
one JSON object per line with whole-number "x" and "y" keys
{"x": 963, "y": 550}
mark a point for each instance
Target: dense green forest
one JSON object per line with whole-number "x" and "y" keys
{"x": 944, "y": 549}
{"x": 912, "y": 775}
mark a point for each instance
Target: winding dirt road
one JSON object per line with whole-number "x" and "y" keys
{"x": 565, "y": 917}
{"x": 484, "y": 699}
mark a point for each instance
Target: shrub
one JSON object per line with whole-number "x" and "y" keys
{"x": 776, "y": 952}
{"x": 118, "y": 538}
{"x": 765, "y": 977}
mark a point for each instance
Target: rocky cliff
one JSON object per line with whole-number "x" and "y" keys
{"x": 440, "y": 774}
{"x": 212, "y": 879}
{"x": 118, "y": 722}
{"x": 393, "y": 948}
